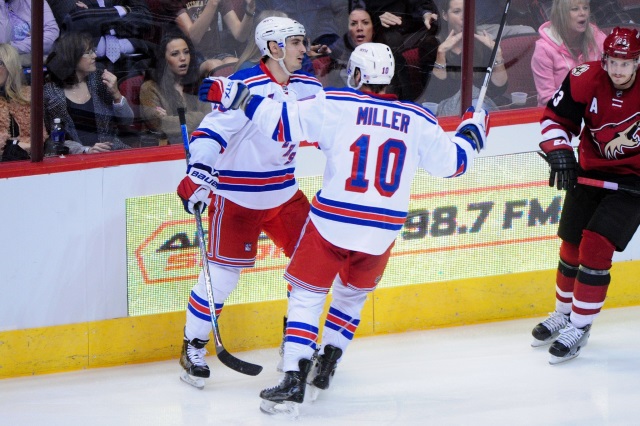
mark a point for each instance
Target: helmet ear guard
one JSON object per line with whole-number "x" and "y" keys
{"x": 622, "y": 43}
{"x": 375, "y": 62}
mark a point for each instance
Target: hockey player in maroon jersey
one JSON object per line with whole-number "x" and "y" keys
{"x": 595, "y": 222}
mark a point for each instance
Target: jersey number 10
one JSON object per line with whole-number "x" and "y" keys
{"x": 389, "y": 164}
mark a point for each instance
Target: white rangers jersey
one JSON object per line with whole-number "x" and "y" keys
{"x": 254, "y": 172}
{"x": 373, "y": 145}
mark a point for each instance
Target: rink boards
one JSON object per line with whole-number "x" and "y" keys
{"x": 108, "y": 270}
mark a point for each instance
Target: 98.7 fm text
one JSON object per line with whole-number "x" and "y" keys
{"x": 451, "y": 220}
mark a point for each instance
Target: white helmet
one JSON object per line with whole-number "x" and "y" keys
{"x": 276, "y": 29}
{"x": 375, "y": 62}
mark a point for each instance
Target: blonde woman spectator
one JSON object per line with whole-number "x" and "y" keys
{"x": 15, "y": 105}
{"x": 566, "y": 40}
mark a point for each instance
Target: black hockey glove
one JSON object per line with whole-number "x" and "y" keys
{"x": 562, "y": 162}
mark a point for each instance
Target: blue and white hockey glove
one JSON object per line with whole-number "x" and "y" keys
{"x": 558, "y": 153}
{"x": 475, "y": 127}
{"x": 196, "y": 187}
{"x": 231, "y": 94}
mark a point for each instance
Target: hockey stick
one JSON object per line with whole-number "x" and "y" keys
{"x": 487, "y": 77}
{"x": 608, "y": 185}
{"x": 225, "y": 357}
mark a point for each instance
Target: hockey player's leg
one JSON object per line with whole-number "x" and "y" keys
{"x": 198, "y": 324}
{"x": 592, "y": 283}
{"x": 548, "y": 330}
{"x": 284, "y": 336}
{"x": 304, "y": 312}
{"x": 340, "y": 326}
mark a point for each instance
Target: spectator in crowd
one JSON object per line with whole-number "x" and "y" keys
{"x": 489, "y": 14}
{"x": 174, "y": 84}
{"x": 566, "y": 40}
{"x": 606, "y": 13}
{"x": 86, "y": 100}
{"x": 15, "y": 105}
{"x": 15, "y": 27}
{"x": 235, "y": 34}
{"x": 360, "y": 30}
{"x": 199, "y": 20}
{"x": 403, "y": 25}
{"x": 251, "y": 55}
{"x": 446, "y": 82}
{"x": 118, "y": 29}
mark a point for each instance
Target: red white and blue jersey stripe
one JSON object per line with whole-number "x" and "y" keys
{"x": 254, "y": 172}
{"x": 373, "y": 145}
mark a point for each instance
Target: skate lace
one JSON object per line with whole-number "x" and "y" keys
{"x": 570, "y": 335}
{"x": 555, "y": 322}
{"x": 196, "y": 356}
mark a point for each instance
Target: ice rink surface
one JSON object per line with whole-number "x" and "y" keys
{"x": 472, "y": 375}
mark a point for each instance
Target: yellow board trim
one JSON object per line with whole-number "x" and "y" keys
{"x": 251, "y": 326}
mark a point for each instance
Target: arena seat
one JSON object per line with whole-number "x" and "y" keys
{"x": 130, "y": 89}
{"x": 517, "y": 52}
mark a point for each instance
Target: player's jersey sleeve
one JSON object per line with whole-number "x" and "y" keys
{"x": 288, "y": 121}
{"x": 211, "y": 137}
{"x": 562, "y": 117}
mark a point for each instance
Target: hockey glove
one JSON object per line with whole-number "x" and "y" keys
{"x": 231, "y": 94}
{"x": 562, "y": 162}
{"x": 196, "y": 187}
{"x": 474, "y": 127}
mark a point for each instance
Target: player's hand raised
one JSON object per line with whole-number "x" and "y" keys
{"x": 231, "y": 94}
{"x": 475, "y": 127}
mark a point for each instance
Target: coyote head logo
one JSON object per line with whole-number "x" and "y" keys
{"x": 619, "y": 140}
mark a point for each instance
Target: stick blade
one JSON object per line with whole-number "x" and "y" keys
{"x": 237, "y": 364}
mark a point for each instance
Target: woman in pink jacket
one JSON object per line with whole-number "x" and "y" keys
{"x": 566, "y": 40}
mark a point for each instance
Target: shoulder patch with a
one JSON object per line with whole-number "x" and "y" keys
{"x": 579, "y": 69}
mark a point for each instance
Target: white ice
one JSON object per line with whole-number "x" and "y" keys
{"x": 472, "y": 375}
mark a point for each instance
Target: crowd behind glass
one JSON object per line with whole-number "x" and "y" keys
{"x": 116, "y": 71}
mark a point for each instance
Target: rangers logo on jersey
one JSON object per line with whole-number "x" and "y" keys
{"x": 579, "y": 69}
{"x": 619, "y": 140}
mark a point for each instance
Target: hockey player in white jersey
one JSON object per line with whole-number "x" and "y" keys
{"x": 373, "y": 144}
{"x": 252, "y": 181}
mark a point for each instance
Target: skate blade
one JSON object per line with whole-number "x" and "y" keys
{"x": 538, "y": 343}
{"x": 286, "y": 409}
{"x": 312, "y": 393}
{"x": 196, "y": 382}
{"x": 553, "y": 360}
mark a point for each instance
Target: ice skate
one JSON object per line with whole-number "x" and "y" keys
{"x": 548, "y": 330}
{"x": 195, "y": 369}
{"x": 569, "y": 344}
{"x": 285, "y": 398}
{"x": 323, "y": 371}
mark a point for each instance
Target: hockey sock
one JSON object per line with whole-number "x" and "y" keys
{"x": 343, "y": 317}
{"x": 223, "y": 280}
{"x": 592, "y": 282}
{"x": 303, "y": 317}
{"x": 565, "y": 277}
